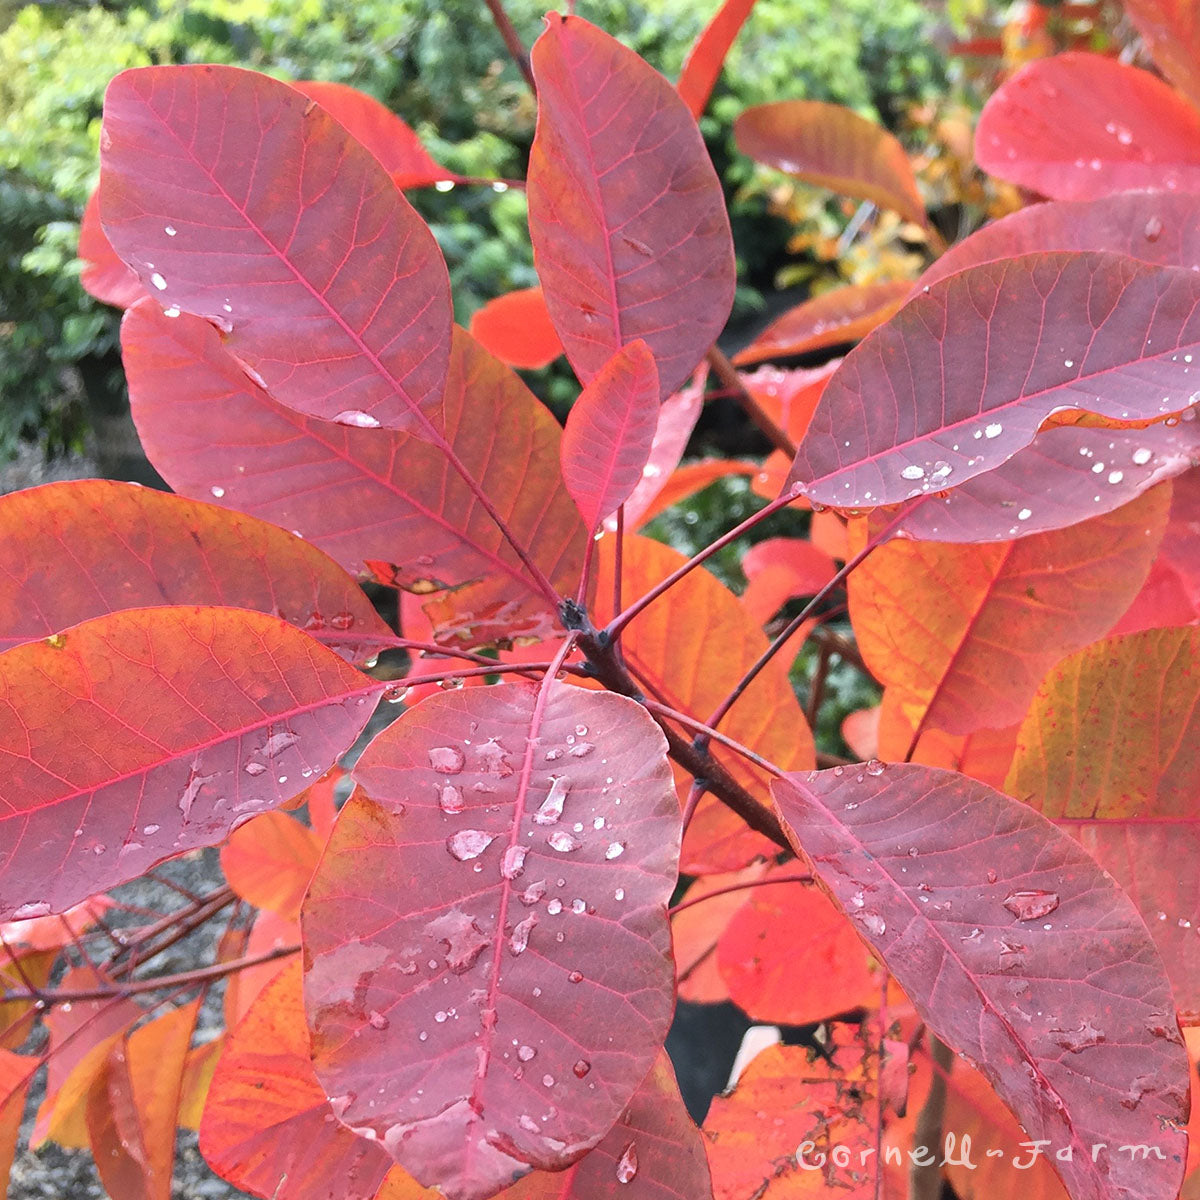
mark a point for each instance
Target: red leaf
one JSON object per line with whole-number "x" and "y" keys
{"x": 364, "y": 494}
{"x": 488, "y": 1019}
{"x": 269, "y": 861}
{"x": 171, "y": 726}
{"x": 779, "y": 569}
{"x": 860, "y": 731}
{"x": 282, "y": 230}
{"x": 630, "y": 235}
{"x": 1171, "y": 31}
{"x": 1164, "y": 600}
{"x": 947, "y": 399}
{"x": 819, "y": 970}
{"x": 268, "y": 1128}
{"x": 91, "y": 547}
{"x": 832, "y": 147}
{"x": 677, "y": 417}
{"x": 609, "y": 433}
{"x": 1018, "y": 951}
{"x": 830, "y": 319}
{"x": 1077, "y": 126}
{"x": 702, "y": 67}
{"x": 385, "y": 135}
{"x": 962, "y": 635}
{"x": 1157, "y": 227}
{"x": 134, "y": 1105}
{"x": 1181, "y": 542}
{"x": 104, "y": 275}
{"x": 516, "y": 328}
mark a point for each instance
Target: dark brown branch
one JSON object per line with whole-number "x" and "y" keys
{"x": 512, "y": 41}
{"x": 732, "y": 382}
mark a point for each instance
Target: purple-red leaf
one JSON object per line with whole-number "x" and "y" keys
{"x": 139, "y": 735}
{"x": 236, "y": 198}
{"x": 1077, "y": 126}
{"x": 388, "y": 138}
{"x": 963, "y": 377}
{"x": 1157, "y": 227}
{"x": 630, "y": 235}
{"x": 1019, "y": 952}
{"x": 363, "y": 494}
{"x": 835, "y": 148}
{"x": 609, "y": 433}
{"x": 702, "y": 67}
{"x": 509, "y": 981}
{"x": 89, "y": 547}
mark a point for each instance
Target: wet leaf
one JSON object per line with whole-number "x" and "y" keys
{"x": 488, "y": 1018}
{"x": 170, "y": 727}
{"x": 630, "y": 234}
{"x": 1019, "y": 953}
{"x": 284, "y": 232}
{"x": 1077, "y": 126}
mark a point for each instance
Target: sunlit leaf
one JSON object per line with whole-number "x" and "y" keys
{"x": 517, "y": 329}
{"x": 702, "y": 67}
{"x": 269, "y": 861}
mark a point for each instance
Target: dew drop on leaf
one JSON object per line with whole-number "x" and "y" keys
{"x": 254, "y": 768}
{"x": 513, "y": 862}
{"x": 469, "y": 843}
{"x": 378, "y": 1021}
{"x": 575, "y": 977}
{"x": 554, "y": 907}
{"x": 615, "y": 850}
{"x": 552, "y": 807}
{"x": 627, "y": 1168}
{"x": 874, "y": 767}
{"x": 520, "y": 934}
{"x": 581, "y": 1068}
{"x": 357, "y": 419}
{"x": 450, "y": 799}
{"x": 446, "y": 760}
{"x": 562, "y": 841}
{"x": 526, "y": 1053}
{"x": 533, "y": 893}
{"x": 1031, "y": 905}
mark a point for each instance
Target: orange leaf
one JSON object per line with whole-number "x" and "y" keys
{"x": 820, "y": 970}
{"x": 690, "y": 646}
{"x": 516, "y": 328}
{"x": 780, "y": 569}
{"x": 835, "y": 148}
{"x": 197, "y": 1076}
{"x": 833, "y": 318}
{"x": 269, "y": 861}
{"x": 133, "y": 1106}
{"x": 270, "y": 932}
{"x": 963, "y": 633}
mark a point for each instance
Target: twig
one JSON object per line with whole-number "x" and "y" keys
{"x": 512, "y": 42}
{"x": 745, "y": 885}
{"x": 734, "y": 386}
{"x": 925, "y": 1178}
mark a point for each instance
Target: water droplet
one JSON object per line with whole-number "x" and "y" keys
{"x": 582, "y": 750}
{"x": 277, "y": 743}
{"x": 469, "y": 843}
{"x": 575, "y": 977}
{"x": 619, "y": 894}
{"x": 441, "y": 1017}
{"x": 513, "y": 862}
{"x": 547, "y": 1081}
{"x": 554, "y": 907}
{"x": 627, "y": 1168}
{"x": 520, "y": 934}
{"x": 874, "y": 924}
{"x": 158, "y": 281}
{"x": 172, "y": 311}
{"x": 991, "y": 877}
{"x": 170, "y": 230}
{"x": 450, "y": 799}
{"x": 150, "y": 830}
{"x": 1115, "y": 476}
{"x": 526, "y": 1053}
{"x": 357, "y": 419}
{"x": 378, "y": 1021}
{"x": 993, "y": 431}
{"x": 217, "y": 492}
{"x": 1153, "y": 229}
{"x": 552, "y": 807}
{"x": 913, "y": 472}
{"x": 444, "y": 185}
{"x": 1031, "y": 905}
{"x": 875, "y": 767}
{"x": 1141, "y": 457}
{"x": 527, "y": 1123}
{"x": 39, "y": 908}
{"x": 562, "y": 841}
{"x": 533, "y": 893}
{"x": 581, "y": 1068}
{"x": 1025, "y": 514}
{"x": 615, "y": 850}
{"x": 578, "y": 906}
{"x": 446, "y": 760}
{"x": 254, "y": 768}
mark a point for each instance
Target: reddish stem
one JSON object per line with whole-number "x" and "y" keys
{"x": 745, "y": 885}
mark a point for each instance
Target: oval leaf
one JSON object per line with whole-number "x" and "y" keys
{"x": 363, "y": 494}
{"x": 1077, "y": 126}
{"x": 1171, "y": 31}
{"x": 267, "y": 1127}
{"x": 284, "y": 232}
{"x": 171, "y": 726}
{"x": 1157, "y": 227}
{"x": 396, "y": 147}
{"x": 269, "y": 861}
{"x": 835, "y": 148}
{"x": 830, "y": 319}
{"x": 630, "y": 235}
{"x": 492, "y": 1019}
{"x": 962, "y": 635}
{"x": 610, "y": 432}
{"x": 1018, "y": 952}
{"x": 90, "y": 547}
{"x": 516, "y": 328}
{"x": 963, "y": 376}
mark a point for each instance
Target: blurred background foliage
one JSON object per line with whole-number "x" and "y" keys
{"x": 441, "y": 66}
